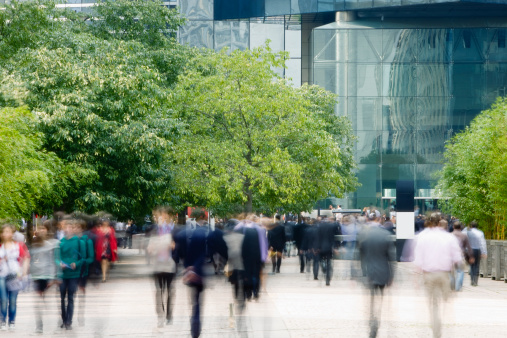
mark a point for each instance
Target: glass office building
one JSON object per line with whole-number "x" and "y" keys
{"x": 410, "y": 74}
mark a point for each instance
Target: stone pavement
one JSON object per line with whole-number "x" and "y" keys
{"x": 291, "y": 305}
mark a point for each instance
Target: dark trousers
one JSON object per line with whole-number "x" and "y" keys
{"x": 316, "y": 263}
{"x": 163, "y": 305}
{"x": 302, "y": 262}
{"x": 327, "y": 265}
{"x": 68, "y": 288}
{"x": 195, "y": 321}
{"x": 474, "y": 268}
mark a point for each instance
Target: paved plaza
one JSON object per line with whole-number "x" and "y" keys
{"x": 291, "y": 305}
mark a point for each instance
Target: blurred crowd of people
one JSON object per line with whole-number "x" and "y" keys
{"x": 64, "y": 251}
{"x": 67, "y": 249}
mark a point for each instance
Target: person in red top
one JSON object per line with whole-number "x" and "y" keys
{"x": 106, "y": 246}
{"x": 14, "y": 263}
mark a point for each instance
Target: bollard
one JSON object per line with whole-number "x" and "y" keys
{"x": 496, "y": 271}
{"x": 504, "y": 254}
{"x": 485, "y": 266}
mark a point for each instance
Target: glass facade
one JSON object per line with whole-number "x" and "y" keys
{"x": 236, "y": 9}
{"x": 284, "y": 32}
{"x": 407, "y": 91}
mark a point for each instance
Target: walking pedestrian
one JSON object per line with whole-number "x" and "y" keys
{"x": 194, "y": 244}
{"x": 436, "y": 252}
{"x": 160, "y": 247}
{"x": 299, "y": 234}
{"x": 14, "y": 263}
{"x": 378, "y": 262}
{"x": 45, "y": 252}
{"x": 326, "y": 232}
{"x": 72, "y": 254}
{"x": 105, "y": 245}
{"x": 467, "y": 252}
{"x": 479, "y": 249}
{"x": 276, "y": 239}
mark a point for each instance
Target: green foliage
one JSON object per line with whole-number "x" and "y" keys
{"x": 254, "y": 140}
{"x": 474, "y": 177}
{"x": 26, "y": 170}
{"x": 22, "y": 24}
{"x": 149, "y": 22}
{"x": 101, "y": 103}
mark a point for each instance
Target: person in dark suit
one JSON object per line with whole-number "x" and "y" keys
{"x": 276, "y": 239}
{"x": 326, "y": 232}
{"x": 378, "y": 257}
{"x": 192, "y": 246}
{"x": 299, "y": 234}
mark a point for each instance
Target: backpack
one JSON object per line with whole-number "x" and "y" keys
{"x": 89, "y": 256}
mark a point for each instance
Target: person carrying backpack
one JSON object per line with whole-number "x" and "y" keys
{"x": 72, "y": 253}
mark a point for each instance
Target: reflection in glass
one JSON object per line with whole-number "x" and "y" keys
{"x": 197, "y": 9}
{"x": 197, "y": 34}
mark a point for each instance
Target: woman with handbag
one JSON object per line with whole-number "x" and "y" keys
{"x": 14, "y": 263}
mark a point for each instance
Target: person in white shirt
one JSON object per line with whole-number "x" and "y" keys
{"x": 479, "y": 249}
{"x": 435, "y": 254}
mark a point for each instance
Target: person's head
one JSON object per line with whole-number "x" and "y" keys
{"x": 457, "y": 225}
{"x": 278, "y": 217}
{"x": 7, "y": 232}
{"x": 473, "y": 224}
{"x": 68, "y": 226}
{"x": 432, "y": 220}
{"x": 42, "y": 232}
{"x": 199, "y": 215}
{"x": 443, "y": 224}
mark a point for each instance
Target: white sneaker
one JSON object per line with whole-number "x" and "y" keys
{"x": 12, "y": 326}
{"x": 3, "y": 327}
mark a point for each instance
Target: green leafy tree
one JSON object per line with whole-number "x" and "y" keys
{"x": 147, "y": 21}
{"x": 101, "y": 97}
{"x": 26, "y": 170}
{"x": 474, "y": 178}
{"x": 254, "y": 140}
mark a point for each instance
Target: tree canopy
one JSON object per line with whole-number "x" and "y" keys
{"x": 124, "y": 118}
{"x": 101, "y": 95}
{"x": 256, "y": 141}
{"x": 474, "y": 177}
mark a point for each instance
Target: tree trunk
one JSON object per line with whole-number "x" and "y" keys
{"x": 248, "y": 191}
{"x": 29, "y": 232}
{"x": 182, "y": 219}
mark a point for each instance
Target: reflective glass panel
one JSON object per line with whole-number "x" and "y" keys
{"x": 277, "y": 7}
{"x": 197, "y": 33}
{"x": 364, "y": 79}
{"x": 197, "y": 9}
{"x": 367, "y": 113}
{"x": 433, "y": 112}
{"x": 303, "y": 6}
{"x": 367, "y": 150}
{"x": 365, "y": 45}
{"x": 260, "y": 32}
